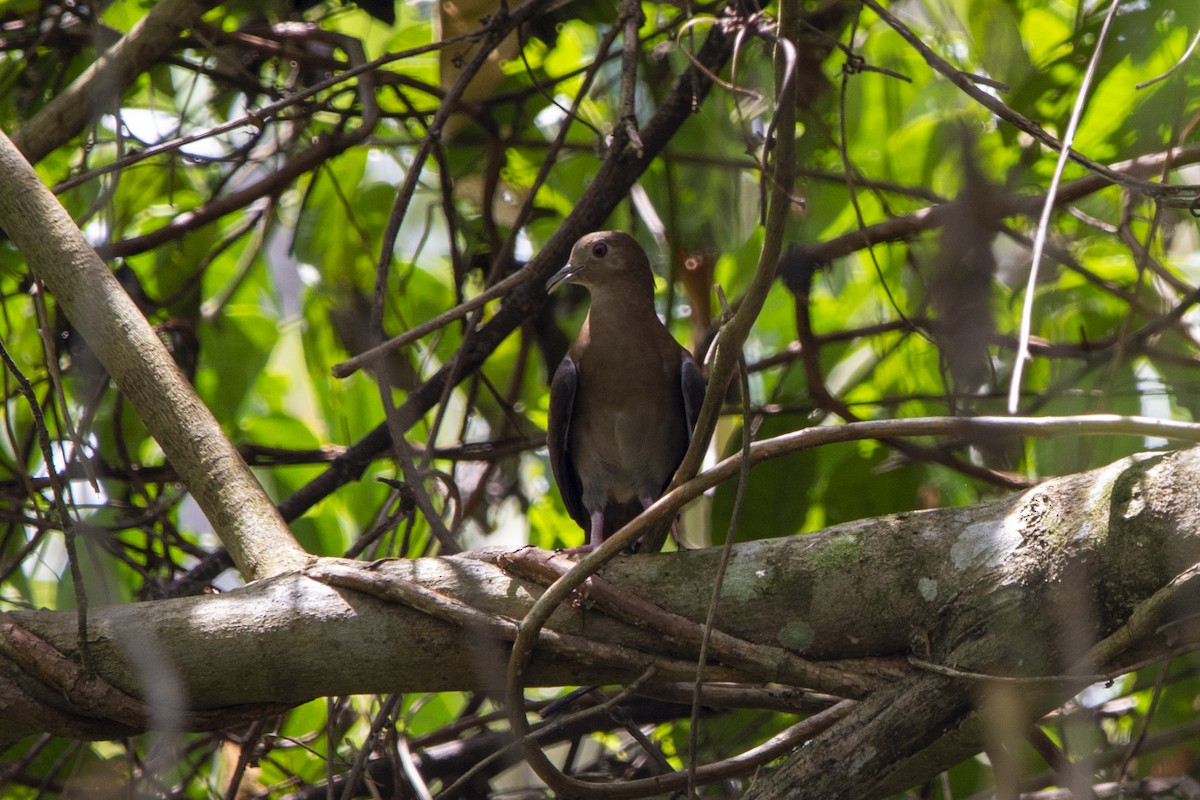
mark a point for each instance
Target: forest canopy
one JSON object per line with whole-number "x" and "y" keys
{"x": 939, "y": 261}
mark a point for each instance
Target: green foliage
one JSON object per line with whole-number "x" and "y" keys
{"x": 263, "y": 300}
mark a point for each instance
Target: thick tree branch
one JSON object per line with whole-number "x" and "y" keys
{"x": 994, "y": 589}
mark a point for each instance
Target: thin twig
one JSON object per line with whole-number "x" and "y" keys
{"x": 550, "y": 728}
{"x": 726, "y": 553}
{"x": 257, "y": 117}
{"x": 245, "y": 756}
{"x": 769, "y": 664}
{"x": 631, "y": 20}
{"x": 389, "y": 588}
{"x": 65, "y": 523}
{"x": 1039, "y": 239}
{"x": 733, "y": 335}
{"x": 504, "y": 286}
{"x": 989, "y": 101}
{"x": 1191, "y": 48}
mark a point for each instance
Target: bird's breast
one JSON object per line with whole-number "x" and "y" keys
{"x": 629, "y": 431}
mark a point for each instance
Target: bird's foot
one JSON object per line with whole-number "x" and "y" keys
{"x": 595, "y": 536}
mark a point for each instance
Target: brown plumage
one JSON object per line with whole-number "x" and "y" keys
{"x": 624, "y": 401}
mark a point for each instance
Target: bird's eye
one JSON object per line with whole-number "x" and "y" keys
{"x": 599, "y": 249}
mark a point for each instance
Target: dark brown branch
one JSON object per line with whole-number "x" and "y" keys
{"x": 325, "y": 148}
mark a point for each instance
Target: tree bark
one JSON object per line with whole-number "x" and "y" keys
{"x": 1025, "y": 586}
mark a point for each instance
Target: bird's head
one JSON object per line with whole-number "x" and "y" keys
{"x": 606, "y": 260}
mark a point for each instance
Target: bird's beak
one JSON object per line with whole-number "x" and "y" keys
{"x": 564, "y": 275}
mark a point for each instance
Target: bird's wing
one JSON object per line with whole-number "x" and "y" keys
{"x": 691, "y": 380}
{"x": 558, "y": 427}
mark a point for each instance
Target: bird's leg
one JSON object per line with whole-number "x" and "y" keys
{"x": 595, "y": 537}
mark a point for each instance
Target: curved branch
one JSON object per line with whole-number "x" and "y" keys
{"x": 92, "y": 298}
